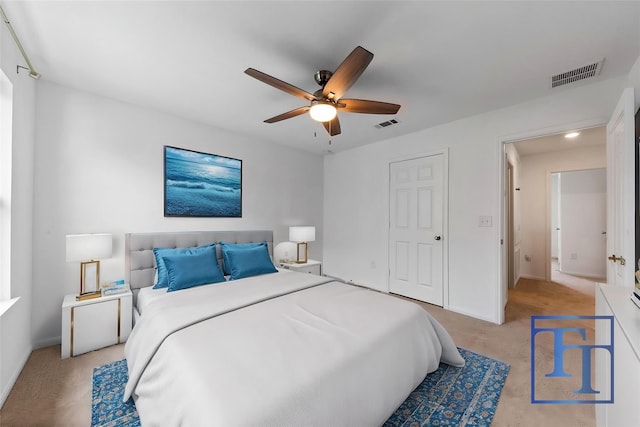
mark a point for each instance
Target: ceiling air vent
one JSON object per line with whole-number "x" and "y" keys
{"x": 387, "y": 123}
{"x": 578, "y": 74}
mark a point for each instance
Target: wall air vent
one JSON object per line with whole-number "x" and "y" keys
{"x": 387, "y": 123}
{"x": 578, "y": 74}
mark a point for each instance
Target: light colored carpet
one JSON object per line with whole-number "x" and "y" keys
{"x": 510, "y": 343}
{"x": 54, "y": 392}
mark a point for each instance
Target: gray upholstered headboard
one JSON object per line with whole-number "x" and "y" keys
{"x": 139, "y": 264}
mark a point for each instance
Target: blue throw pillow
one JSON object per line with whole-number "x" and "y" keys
{"x": 160, "y": 253}
{"x": 189, "y": 270}
{"x": 249, "y": 262}
{"x": 225, "y": 247}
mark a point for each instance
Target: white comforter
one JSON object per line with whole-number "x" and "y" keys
{"x": 280, "y": 349}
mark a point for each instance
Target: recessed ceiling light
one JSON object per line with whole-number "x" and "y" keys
{"x": 572, "y": 135}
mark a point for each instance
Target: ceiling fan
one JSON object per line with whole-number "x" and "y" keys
{"x": 325, "y": 102}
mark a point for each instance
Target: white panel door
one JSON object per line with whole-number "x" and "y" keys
{"x": 416, "y": 208}
{"x": 621, "y": 193}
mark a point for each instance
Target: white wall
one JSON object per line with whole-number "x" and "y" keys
{"x": 15, "y": 324}
{"x": 634, "y": 80}
{"x": 99, "y": 168}
{"x": 536, "y": 176}
{"x": 583, "y": 219}
{"x": 356, "y": 192}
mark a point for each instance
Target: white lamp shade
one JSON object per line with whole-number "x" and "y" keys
{"x": 302, "y": 234}
{"x": 84, "y": 247}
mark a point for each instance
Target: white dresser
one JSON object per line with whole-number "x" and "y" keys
{"x": 624, "y": 411}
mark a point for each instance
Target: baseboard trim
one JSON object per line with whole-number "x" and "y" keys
{"x": 14, "y": 377}
{"x": 526, "y": 276}
{"x": 472, "y": 314}
{"x": 595, "y": 277}
{"x": 47, "y": 342}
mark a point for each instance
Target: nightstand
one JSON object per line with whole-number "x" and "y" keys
{"x": 95, "y": 323}
{"x": 311, "y": 267}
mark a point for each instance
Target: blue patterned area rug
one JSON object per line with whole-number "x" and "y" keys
{"x": 450, "y": 396}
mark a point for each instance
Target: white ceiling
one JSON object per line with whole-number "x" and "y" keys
{"x": 440, "y": 60}
{"x": 545, "y": 144}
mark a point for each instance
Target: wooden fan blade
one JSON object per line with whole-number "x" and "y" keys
{"x": 288, "y": 114}
{"x": 279, "y": 84}
{"x": 347, "y": 73}
{"x": 368, "y": 107}
{"x": 333, "y": 126}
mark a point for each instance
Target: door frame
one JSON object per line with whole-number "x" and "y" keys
{"x": 510, "y": 235}
{"x": 445, "y": 215}
{"x": 502, "y": 258}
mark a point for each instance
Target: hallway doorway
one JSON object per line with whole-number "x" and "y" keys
{"x": 528, "y": 168}
{"x": 578, "y": 216}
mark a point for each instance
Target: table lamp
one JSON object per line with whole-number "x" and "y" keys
{"x": 301, "y": 235}
{"x": 88, "y": 249}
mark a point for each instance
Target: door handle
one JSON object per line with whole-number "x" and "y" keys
{"x": 437, "y": 237}
{"x": 615, "y": 258}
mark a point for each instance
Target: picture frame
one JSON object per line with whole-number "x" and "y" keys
{"x": 200, "y": 184}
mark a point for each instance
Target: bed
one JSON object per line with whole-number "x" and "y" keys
{"x": 283, "y": 348}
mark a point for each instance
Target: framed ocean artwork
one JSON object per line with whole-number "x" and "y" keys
{"x": 201, "y": 185}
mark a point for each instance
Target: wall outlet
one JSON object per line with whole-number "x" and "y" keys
{"x": 485, "y": 221}
{"x": 573, "y": 256}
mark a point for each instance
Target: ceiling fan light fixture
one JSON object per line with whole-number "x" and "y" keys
{"x": 322, "y": 111}
{"x": 322, "y": 104}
